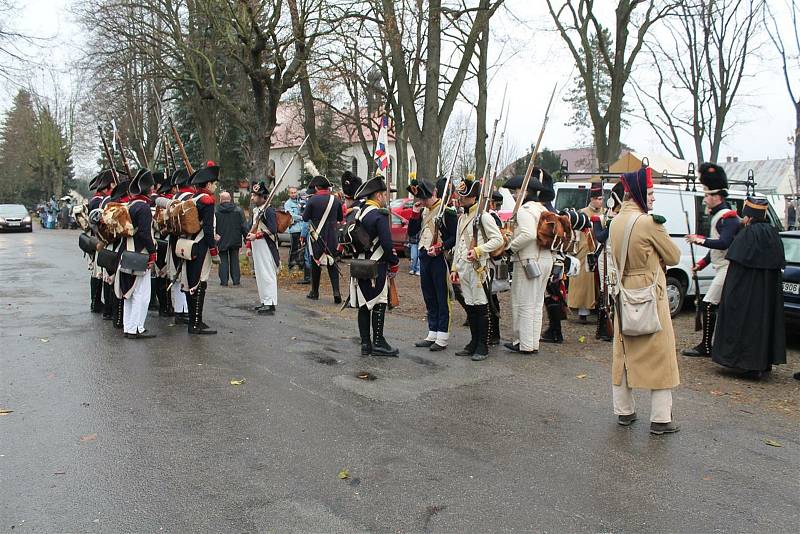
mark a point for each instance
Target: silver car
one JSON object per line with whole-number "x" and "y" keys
{"x": 14, "y": 217}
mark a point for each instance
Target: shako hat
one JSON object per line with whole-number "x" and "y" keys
{"x": 205, "y": 175}
{"x": 421, "y": 189}
{"x": 756, "y": 208}
{"x": 713, "y": 178}
{"x": 373, "y": 185}
{"x": 596, "y": 190}
{"x": 142, "y": 182}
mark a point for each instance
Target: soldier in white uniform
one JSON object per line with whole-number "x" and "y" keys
{"x": 469, "y": 266}
{"x": 532, "y": 265}
{"x": 266, "y": 261}
{"x": 724, "y": 226}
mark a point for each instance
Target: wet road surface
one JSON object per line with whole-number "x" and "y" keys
{"x": 115, "y": 435}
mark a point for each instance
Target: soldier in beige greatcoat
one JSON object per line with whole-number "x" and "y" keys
{"x": 582, "y": 294}
{"x": 645, "y": 361}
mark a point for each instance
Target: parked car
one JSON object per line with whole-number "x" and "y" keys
{"x": 671, "y": 200}
{"x": 14, "y": 217}
{"x": 791, "y": 275}
{"x": 399, "y": 234}
{"x": 402, "y": 207}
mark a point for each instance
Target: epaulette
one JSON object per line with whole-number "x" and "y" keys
{"x": 383, "y": 211}
{"x": 206, "y": 199}
{"x": 659, "y": 219}
{"x": 730, "y": 215}
{"x": 451, "y": 210}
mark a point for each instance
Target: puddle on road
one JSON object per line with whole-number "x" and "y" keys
{"x": 426, "y": 362}
{"x": 325, "y": 360}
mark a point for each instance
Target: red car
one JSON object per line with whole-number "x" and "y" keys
{"x": 402, "y": 207}
{"x": 399, "y": 233}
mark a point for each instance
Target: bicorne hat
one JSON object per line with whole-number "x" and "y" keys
{"x": 319, "y": 182}
{"x": 469, "y": 188}
{"x": 420, "y": 189}
{"x": 180, "y": 178}
{"x": 205, "y": 175}
{"x": 142, "y": 182}
{"x": 371, "y": 186}
{"x": 104, "y": 179}
{"x": 120, "y": 190}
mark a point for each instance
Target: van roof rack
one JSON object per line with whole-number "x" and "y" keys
{"x": 689, "y": 180}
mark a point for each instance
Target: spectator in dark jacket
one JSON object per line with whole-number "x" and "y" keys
{"x": 231, "y": 229}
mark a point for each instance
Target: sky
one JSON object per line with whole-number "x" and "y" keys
{"x": 540, "y": 61}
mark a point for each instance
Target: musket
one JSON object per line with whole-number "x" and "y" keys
{"x": 141, "y": 145}
{"x": 181, "y": 147}
{"x": 446, "y": 191}
{"x": 604, "y": 307}
{"x": 285, "y": 170}
{"x": 698, "y": 322}
{"x": 485, "y": 178}
{"x": 168, "y": 149}
{"x": 167, "y": 170}
{"x": 122, "y": 155}
{"x": 114, "y": 173}
{"x": 497, "y": 158}
{"x": 523, "y": 190}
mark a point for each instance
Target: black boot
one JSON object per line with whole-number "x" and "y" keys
{"x": 494, "y": 323}
{"x": 153, "y": 295}
{"x": 196, "y": 324}
{"x": 108, "y": 302}
{"x": 553, "y": 332}
{"x": 363, "y": 330}
{"x": 481, "y": 333}
{"x": 469, "y": 349}
{"x": 306, "y": 276}
{"x": 709, "y": 317}
{"x": 602, "y": 326}
{"x": 96, "y": 295}
{"x": 164, "y": 302}
{"x": 119, "y": 310}
{"x": 379, "y": 345}
{"x": 316, "y": 274}
{"x": 333, "y": 273}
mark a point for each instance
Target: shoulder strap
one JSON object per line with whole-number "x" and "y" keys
{"x": 625, "y": 240}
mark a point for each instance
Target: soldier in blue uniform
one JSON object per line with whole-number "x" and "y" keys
{"x": 135, "y": 288}
{"x": 118, "y": 194}
{"x": 370, "y": 295}
{"x": 194, "y": 276}
{"x": 437, "y": 235}
{"x": 182, "y": 191}
{"x": 323, "y": 212}
{"x": 101, "y": 185}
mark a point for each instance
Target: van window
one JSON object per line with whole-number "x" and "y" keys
{"x": 572, "y": 198}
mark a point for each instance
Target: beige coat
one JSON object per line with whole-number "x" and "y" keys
{"x": 650, "y": 360}
{"x": 582, "y": 291}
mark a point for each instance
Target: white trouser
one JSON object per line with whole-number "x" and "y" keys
{"x": 471, "y": 287}
{"x": 178, "y": 298}
{"x": 266, "y": 273}
{"x": 527, "y": 299}
{"x": 714, "y": 293}
{"x": 660, "y": 401}
{"x": 135, "y": 306}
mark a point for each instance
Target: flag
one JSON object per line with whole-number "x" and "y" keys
{"x": 381, "y": 150}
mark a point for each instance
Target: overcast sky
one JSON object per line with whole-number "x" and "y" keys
{"x": 765, "y": 113}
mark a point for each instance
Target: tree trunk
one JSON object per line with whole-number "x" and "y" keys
{"x": 483, "y": 97}
{"x": 205, "y": 118}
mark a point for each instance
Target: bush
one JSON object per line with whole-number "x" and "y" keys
{"x": 280, "y": 198}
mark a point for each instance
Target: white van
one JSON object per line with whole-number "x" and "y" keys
{"x": 668, "y": 203}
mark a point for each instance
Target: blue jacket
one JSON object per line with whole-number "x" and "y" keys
{"x": 293, "y": 208}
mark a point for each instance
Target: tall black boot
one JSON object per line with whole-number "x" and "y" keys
{"x": 379, "y": 345}
{"x": 494, "y": 323}
{"x": 333, "y": 273}
{"x": 316, "y": 274}
{"x": 96, "y": 292}
{"x": 119, "y": 310}
{"x": 108, "y": 301}
{"x": 153, "y": 296}
{"x": 363, "y": 330}
{"x": 602, "y": 326}
{"x": 196, "y": 324}
{"x": 306, "y": 275}
{"x": 164, "y": 302}
{"x": 708, "y": 313}
{"x": 481, "y": 314}
{"x": 469, "y": 349}
{"x": 553, "y": 332}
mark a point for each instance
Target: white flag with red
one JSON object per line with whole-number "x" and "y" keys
{"x": 381, "y": 148}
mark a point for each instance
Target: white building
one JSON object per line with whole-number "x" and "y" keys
{"x": 289, "y": 134}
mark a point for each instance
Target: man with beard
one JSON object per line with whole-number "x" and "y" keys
{"x": 750, "y": 335}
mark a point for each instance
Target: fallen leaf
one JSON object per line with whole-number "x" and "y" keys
{"x": 238, "y": 382}
{"x": 772, "y": 443}
{"x": 716, "y": 393}
{"x": 344, "y": 474}
{"x": 581, "y": 376}
{"x": 582, "y": 339}
{"x": 4, "y": 411}
{"x": 44, "y": 339}
{"x": 707, "y": 477}
{"x": 89, "y": 437}
{"x": 60, "y": 473}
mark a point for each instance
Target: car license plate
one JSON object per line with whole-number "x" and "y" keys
{"x": 10, "y": 223}
{"x": 791, "y": 288}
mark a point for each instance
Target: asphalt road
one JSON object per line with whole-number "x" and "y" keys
{"x": 115, "y": 435}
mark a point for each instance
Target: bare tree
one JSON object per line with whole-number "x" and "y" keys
{"x": 577, "y": 22}
{"x": 711, "y": 44}
{"x": 790, "y": 63}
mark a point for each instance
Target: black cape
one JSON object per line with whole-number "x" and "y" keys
{"x": 750, "y": 334}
